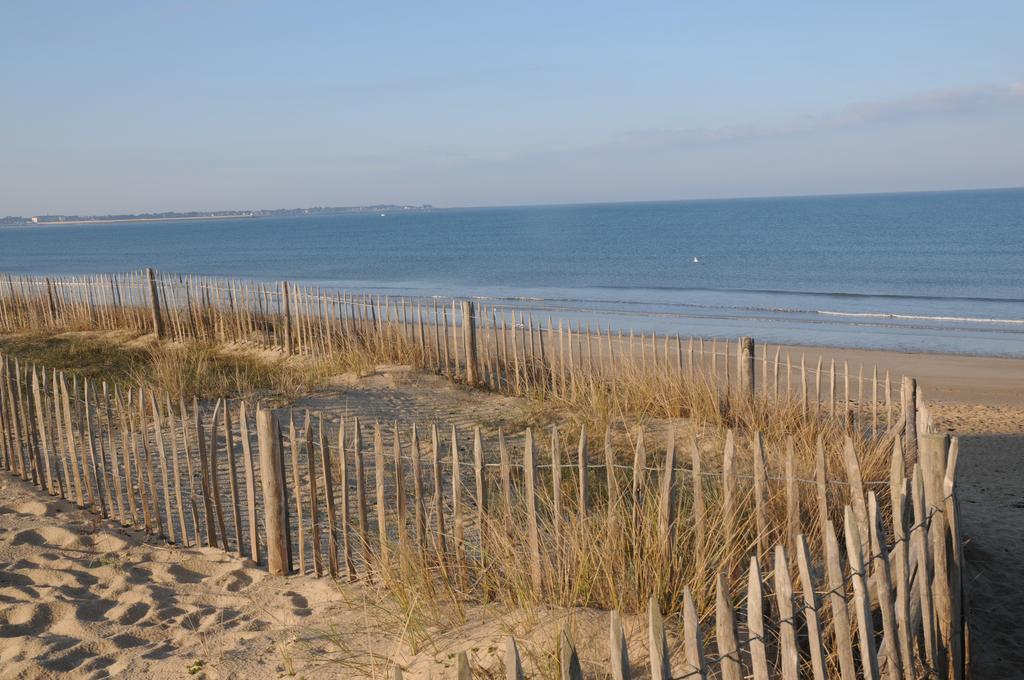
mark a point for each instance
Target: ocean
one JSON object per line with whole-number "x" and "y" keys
{"x": 936, "y": 272}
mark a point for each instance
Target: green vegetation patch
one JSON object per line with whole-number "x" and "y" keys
{"x": 182, "y": 370}
{"x": 98, "y": 358}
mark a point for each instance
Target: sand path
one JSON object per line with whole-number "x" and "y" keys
{"x": 992, "y": 506}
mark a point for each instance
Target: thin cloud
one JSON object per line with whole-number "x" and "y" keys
{"x": 979, "y": 98}
{"x": 963, "y": 100}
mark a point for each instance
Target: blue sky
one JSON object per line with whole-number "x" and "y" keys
{"x": 139, "y": 106}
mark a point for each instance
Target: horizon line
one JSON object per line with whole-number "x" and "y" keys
{"x": 420, "y": 206}
{"x": 754, "y": 197}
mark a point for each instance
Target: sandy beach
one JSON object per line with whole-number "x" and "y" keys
{"x": 964, "y": 379}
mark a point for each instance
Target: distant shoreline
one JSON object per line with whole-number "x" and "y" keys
{"x": 172, "y": 216}
{"x": 142, "y": 219}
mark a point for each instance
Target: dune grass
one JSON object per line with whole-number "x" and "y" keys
{"x": 179, "y": 369}
{"x": 615, "y": 556}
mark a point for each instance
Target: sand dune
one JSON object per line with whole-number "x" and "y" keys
{"x": 82, "y": 598}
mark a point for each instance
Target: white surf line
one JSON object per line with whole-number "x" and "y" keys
{"x": 917, "y": 317}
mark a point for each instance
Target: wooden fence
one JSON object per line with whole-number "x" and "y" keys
{"x": 334, "y": 497}
{"x": 504, "y": 349}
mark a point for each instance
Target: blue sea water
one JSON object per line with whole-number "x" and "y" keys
{"x": 938, "y": 271}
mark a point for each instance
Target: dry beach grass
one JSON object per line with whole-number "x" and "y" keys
{"x": 425, "y": 625}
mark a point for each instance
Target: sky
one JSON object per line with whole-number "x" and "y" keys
{"x": 113, "y": 107}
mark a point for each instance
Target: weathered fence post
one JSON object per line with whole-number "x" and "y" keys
{"x": 619, "y": 651}
{"x": 52, "y": 306}
{"x": 909, "y": 397}
{"x": 661, "y": 662}
{"x": 513, "y": 664}
{"x": 747, "y": 351}
{"x": 532, "y": 529}
{"x": 469, "y": 340}
{"x": 287, "y": 318}
{"x": 273, "y": 491}
{"x": 154, "y": 302}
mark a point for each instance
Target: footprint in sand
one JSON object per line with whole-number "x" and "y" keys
{"x": 82, "y": 578}
{"x": 168, "y": 611}
{"x": 180, "y": 574}
{"x": 91, "y": 609}
{"x": 229, "y": 618}
{"x": 211, "y": 619}
{"x": 28, "y": 537}
{"x": 26, "y": 619}
{"x": 191, "y": 620}
{"x": 255, "y": 626}
{"x": 127, "y": 641}
{"x": 58, "y": 536}
{"x": 60, "y": 643}
{"x": 300, "y": 605}
{"x": 22, "y": 565}
{"x": 80, "y": 656}
{"x": 35, "y": 508}
{"x": 98, "y": 664}
{"x": 106, "y": 542}
{"x": 133, "y": 613}
{"x": 138, "y": 575}
{"x": 236, "y": 580}
{"x": 163, "y": 651}
{"x": 53, "y": 536}
{"x": 9, "y": 577}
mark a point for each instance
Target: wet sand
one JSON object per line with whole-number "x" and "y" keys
{"x": 987, "y": 381}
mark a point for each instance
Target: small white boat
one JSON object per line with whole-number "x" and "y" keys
{"x": 696, "y": 260}
{"x": 382, "y": 214}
